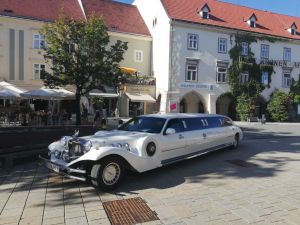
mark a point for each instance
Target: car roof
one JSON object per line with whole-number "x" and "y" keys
{"x": 180, "y": 115}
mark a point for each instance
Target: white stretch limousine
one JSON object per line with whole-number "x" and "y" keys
{"x": 143, "y": 143}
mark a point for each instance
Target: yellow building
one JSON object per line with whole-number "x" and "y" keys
{"x": 21, "y": 54}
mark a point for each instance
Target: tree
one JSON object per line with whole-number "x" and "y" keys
{"x": 279, "y": 105}
{"x": 79, "y": 54}
{"x": 245, "y": 106}
{"x": 295, "y": 91}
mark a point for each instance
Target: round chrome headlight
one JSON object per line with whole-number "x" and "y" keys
{"x": 64, "y": 141}
{"x": 57, "y": 154}
{"x": 87, "y": 146}
{"x": 65, "y": 156}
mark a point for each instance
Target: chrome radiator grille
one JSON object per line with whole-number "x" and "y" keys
{"x": 75, "y": 148}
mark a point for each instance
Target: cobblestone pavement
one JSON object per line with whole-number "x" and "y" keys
{"x": 204, "y": 190}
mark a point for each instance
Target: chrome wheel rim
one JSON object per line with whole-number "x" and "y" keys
{"x": 111, "y": 173}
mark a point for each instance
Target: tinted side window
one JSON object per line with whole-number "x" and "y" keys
{"x": 194, "y": 124}
{"x": 175, "y": 124}
{"x": 227, "y": 122}
{"x": 214, "y": 122}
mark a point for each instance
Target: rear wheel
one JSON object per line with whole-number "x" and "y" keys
{"x": 108, "y": 174}
{"x": 236, "y": 142}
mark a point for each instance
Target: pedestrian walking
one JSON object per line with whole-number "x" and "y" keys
{"x": 97, "y": 118}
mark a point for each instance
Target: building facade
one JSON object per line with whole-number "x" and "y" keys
{"x": 21, "y": 44}
{"x": 125, "y": 23}
{"x": 191, "y": 44}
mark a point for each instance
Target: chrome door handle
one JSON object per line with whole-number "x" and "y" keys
{"x": 204, "y": 135}
{"x": 180, "y": 136}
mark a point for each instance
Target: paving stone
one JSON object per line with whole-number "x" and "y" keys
{"x": 104, "y": 221}
{"x": 74, "y": 214}
{"x": 54, "y": 220}
{"x": 31, "y": 221}
{"x": 77, "y": 220}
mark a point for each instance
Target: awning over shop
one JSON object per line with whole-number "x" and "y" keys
{"x": 102, "y": 94}
{"x": 140, "y": 97}
{"x": 107, "y": 92}
{"x": 128, "y": 70}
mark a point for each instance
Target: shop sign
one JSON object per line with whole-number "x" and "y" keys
{"x": 173, "y": 106}
{"x": 222, "y": 64}
{"x": 145, "y": 89}
{"x": 196, "y": 86}
{"x": 280, "y": 63}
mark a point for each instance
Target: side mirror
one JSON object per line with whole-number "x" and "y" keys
{"x": 170, "y": 131}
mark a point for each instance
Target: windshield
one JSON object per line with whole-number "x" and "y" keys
{"x": 144, "y": 124}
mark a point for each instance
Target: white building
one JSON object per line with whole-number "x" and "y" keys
{"x": 191, "y": 44}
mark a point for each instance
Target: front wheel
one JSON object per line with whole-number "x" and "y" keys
{"x": 108, "y": 174}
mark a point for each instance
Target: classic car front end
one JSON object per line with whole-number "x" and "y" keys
{"x": 108, "y": 152}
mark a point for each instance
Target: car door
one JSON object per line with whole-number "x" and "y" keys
{"x": 172, "y": 145}
{"x": 229, "y": 130}
{"x": 195, "y": 135}
{"x": 215, "y": 132}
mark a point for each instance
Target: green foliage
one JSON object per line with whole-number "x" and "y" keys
{"x": 295, "y": 91}
{"x": 279, "y": 105}
{"x": 250, "y": 90}
{"x": 244, "y": 107}
{"x": 79, "y": 54}
{"x": 270, "y": 39}
{"x": 97, "y": 101}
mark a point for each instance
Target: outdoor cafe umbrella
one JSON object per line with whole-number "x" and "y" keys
{"x": 10, "y": 89}
{"x": 49, "y": 94}
{"x": 6, "y": 94}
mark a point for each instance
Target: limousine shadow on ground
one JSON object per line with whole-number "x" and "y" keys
{"x": 252, "y": 159}
{"x": 256, "y": 157}
{"x": 254, "y": 133}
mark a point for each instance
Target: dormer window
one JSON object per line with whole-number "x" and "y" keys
{"x": 252, "y": 20}
{"x": 204, "y": 11}
{"x": 293, "y": 29}
{"x": 293, "y": 32}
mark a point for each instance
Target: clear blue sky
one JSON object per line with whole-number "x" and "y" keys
{"x": 288, "y": 7}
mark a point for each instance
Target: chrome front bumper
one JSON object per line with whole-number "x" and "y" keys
{"x": 76, "y": 174}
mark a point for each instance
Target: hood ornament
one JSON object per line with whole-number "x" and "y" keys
{"x": 76, "y": 133}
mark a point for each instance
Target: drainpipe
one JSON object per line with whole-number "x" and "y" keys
{"x": 169, "y": 92}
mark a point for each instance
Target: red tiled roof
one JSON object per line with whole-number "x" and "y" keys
{"x": 232, "y": 16}
{"x": 47, "y": 10}
{"x": 119, "y": 17}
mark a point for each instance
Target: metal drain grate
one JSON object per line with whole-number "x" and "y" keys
{"x": 242, "y": 163}
{"x": 129, "y": 211}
